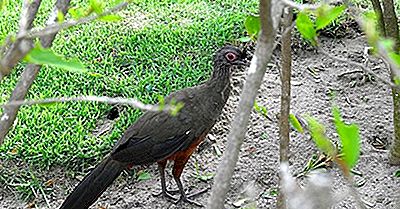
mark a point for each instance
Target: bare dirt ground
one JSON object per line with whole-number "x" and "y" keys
{"x": 318, "y": 83}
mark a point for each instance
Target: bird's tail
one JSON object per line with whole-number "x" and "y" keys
{"x": 94, "y": 184}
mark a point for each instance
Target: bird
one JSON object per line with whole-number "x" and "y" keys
{"x": 159, "y": 137}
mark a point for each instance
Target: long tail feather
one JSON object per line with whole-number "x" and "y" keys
{"x": 94, "y": 184}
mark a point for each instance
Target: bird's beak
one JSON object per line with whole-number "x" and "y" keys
{"x": 241, "y": 63}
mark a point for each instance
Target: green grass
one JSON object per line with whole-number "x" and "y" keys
{"x": 156, "y": 49}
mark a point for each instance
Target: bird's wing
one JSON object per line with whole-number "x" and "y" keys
{"x": 156, "y": 136}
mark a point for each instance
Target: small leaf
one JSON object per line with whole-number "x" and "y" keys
{"x": 369, "y": 28}
{"x": 14, "y": 151}
{"x": 95, "y": 74}
{"x": 77, "y": 12}
{"x": 115, "y": 2}
{"x": 143, "y": 175}
{"x": 261, "y": 109}
{"x": 252, "y": 25}
{"x": 60, "y": 17}
{"x": 3, "y": 4}
{"x": 41, "y": 56}
{"x": 48, "y": 104}
{"x": 111, "y": 18}
{"x": 161, "y": 102}
{"x": 397, "y": 173}
{"x": 206, "y": 177}
{"x": 395, "y": 58}
{"x": 176, "y": 108}
{"x": 306, "y": 27}
{"x": 327, "y": 14}
{"x": 244, "y": 39}
{"x": 96, "y": 6}
{"x": 350, "y": 138}
{"x": 295, "y": 123}
{"x": 49, "y": 182}
{"x": 317, "y": 131}
{"x": 387, "y": 44}
{"x": 396, "y": 80}
{"x": 274, "y": 192}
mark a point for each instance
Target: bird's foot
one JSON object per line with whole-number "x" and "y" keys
{"x": 186, "y": 198}
{"x": 167, "y": 194}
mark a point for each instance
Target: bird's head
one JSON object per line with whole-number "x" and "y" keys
{"x": 229, "y": 56}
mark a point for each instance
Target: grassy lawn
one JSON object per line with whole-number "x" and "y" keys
{"x": 156, "y": 49}
{"x": 159, "y": 47}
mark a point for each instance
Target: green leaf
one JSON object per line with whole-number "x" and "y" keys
{"x": 176, "y": 108}
{"x": 3, "y": 4}
{"x": 96, "y": 6}
{"x": 306, "y": 27}
{"x": 396, "y": 80}
{"x": 77, "y": 12}
{"x": 327, "y": 14}
{"x": 387, "y": 44}
{"x": 244, "y": 39}
{"x": 350, "y": 138}
{"x": 111, "y": 18}
{"x": 395, "y": 58}
{"x": 295, "y": 123}
{"x": 252, "y": 25}
{"x": 261, "y": 109}
{"x": 41, "y": 56}
{"x": 95, "y": 74}
{"x": 142, "y": 176}
{"x": 317, "y": 131}
{"x": 49, "y": 104}
{"x": 206, "y": 177}
{"x": 397, "y": 173}
{"x": 60, "y": 16}
{"x": 370, "y": 29}
{"x": 116, "y": 2}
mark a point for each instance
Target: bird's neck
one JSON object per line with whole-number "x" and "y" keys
{"x": 220, "y": 80}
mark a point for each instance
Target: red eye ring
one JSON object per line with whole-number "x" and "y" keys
{"x": 231, "y": 56}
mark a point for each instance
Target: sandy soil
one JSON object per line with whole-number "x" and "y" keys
{"x": 315, "y": 79}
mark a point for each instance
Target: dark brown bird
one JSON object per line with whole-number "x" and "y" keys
{"x": 160, "y": 137}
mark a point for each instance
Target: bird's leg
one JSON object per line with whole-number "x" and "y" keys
{"x": 184, "y": 197}
{"x": 164, "y": 191}
{"x": 177, "y": 172}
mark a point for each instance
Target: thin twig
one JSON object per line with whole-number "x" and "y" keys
{"x": 103, "y": 99}
{"x": 349, "y": 73}
{"x": 356, "y": 64}
{"x": 60, "y": 26}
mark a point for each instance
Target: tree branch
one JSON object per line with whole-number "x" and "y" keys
{"x": 109, "y": 100}
{"x": 22, "y": 46}
{"x": 254, "y": 78}
{"x": 284, "y": 128}
{"x": 56, "y": 27}
{"x": 391, "y": 24}
{"x": 28, "y": 75}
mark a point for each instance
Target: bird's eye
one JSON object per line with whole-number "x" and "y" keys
{"x": 230, "y": 56}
